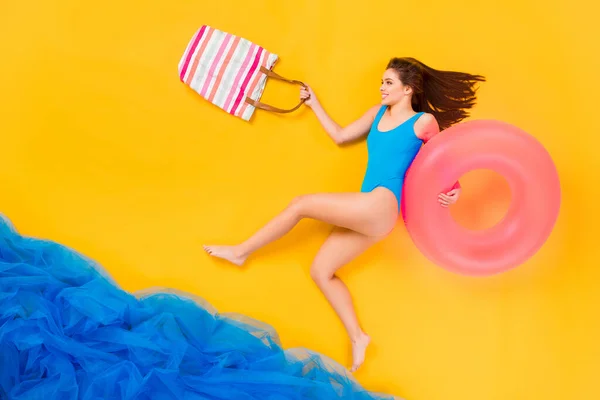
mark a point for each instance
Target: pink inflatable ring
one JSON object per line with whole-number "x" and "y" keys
{"x": 481, "y": 144}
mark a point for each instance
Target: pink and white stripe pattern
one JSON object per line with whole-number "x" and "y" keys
{"x": 225, "y": 69}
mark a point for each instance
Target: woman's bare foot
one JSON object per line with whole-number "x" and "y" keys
{"x": 228, "y": 253}
{"x": 359, "y": 348}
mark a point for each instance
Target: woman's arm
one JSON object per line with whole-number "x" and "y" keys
{"x": 337, "y": 133}
{"x": 426, "y": 128}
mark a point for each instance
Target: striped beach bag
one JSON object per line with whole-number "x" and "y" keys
{"x": 230, "y": 72}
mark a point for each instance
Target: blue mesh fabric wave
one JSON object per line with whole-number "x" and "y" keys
{"x": 67, "y": 331}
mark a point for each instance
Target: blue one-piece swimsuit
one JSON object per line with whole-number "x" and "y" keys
{"x": 390, "y": 153}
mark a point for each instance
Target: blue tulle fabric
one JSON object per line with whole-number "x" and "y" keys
{"x": 67, "y": 331}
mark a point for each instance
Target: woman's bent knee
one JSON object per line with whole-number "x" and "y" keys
{"x": 296, "y": 206}
{"x": 318, "y": 274}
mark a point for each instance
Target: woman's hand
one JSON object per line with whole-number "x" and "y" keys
{"x": 308, "y": 94}
{"x": 451, "y": 197}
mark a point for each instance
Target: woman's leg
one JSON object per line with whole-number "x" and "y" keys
{"x": 340, "y": 248}
{"x": 371, "y": 214}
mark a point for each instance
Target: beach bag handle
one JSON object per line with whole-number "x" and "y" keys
{"x": 267, "y": 107}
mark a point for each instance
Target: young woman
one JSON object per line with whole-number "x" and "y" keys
{"x": 417, "y": 102}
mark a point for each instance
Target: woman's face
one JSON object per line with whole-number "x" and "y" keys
{"x": 392, "y": 89}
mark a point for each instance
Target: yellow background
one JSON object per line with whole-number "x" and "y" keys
{"x": 105, "y": 150}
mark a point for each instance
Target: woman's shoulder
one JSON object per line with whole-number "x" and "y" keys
{"x": 375, "y": 109}
{"x": 426, "y": 118}
{"x": 426, "y": 126}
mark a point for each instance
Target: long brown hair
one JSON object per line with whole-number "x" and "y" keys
{"x": 445, "y": 94}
